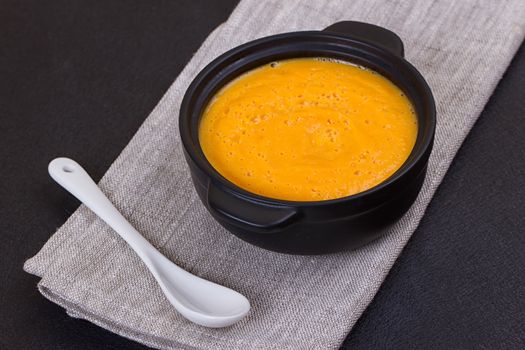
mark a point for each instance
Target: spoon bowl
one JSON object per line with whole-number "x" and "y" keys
{"x": 197, "y": 299}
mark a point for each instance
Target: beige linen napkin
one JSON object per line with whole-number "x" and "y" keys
{"x": 304, "y": 302}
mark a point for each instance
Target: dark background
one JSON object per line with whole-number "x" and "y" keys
{"x": 77, "y": 78}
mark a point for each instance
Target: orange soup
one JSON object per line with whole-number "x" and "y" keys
{"x": 308, "y": 129}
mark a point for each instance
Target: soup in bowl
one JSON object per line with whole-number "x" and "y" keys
{"x": 308, "y": 129}
{"x": 309, "y": 142}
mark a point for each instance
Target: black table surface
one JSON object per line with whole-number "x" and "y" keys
{"x": 77, "y": 78}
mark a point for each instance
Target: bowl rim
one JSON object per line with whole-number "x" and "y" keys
{"x": 200, "y": 160}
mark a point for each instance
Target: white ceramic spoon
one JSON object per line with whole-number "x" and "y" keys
{"x": 203, "y": 302}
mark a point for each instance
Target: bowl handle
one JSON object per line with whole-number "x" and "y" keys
{"x": 245, "y": 213}
{"x": 371, "y": 33}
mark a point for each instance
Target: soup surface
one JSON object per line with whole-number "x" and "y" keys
{"x": 308, "y": 129}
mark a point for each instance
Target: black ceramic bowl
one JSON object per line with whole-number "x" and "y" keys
{"x": 322, "y": 226}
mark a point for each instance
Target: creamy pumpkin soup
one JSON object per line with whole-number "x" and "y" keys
{"x": 308, "y": 129}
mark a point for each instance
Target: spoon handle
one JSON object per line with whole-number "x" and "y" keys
{"x": 70, "y": 175}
